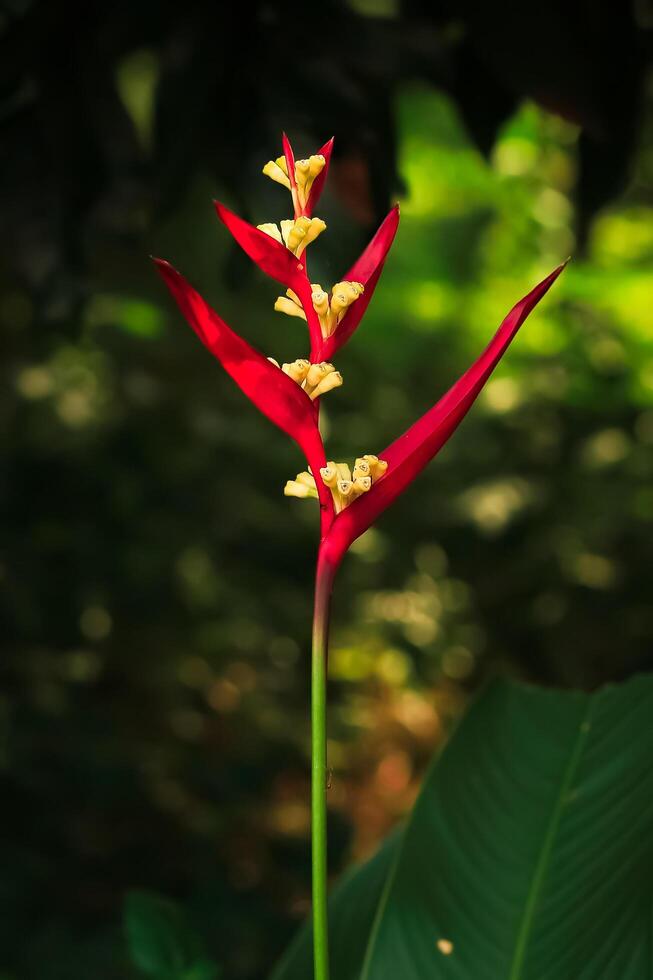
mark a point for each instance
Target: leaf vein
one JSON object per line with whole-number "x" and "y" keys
{"x": 541, "y": 867}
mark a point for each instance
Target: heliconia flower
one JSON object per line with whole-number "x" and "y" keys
{"x": 407, "y": 456}
{"x": 289, "y": 394}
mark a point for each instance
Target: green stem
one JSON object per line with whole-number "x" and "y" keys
{"x": 323, "y": 587}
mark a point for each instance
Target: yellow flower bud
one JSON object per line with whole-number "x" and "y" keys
{"x": 316, "y": 165}
{"x": 343, "y": 472}
{"x": 294, "y": 239}
{"x": 328, "y": 383}
{"x": 329, "y": 474}
{"x": 316, "y": 227}
{"x": 361, "y": 468}
{"x": 270, "y": 229}
{"x": 345, "y": 488}
{"x": 302, "y": 168}
{"x": 345, "y": 289}
{"x": 305, "y": 173}
{"x": 296, "y": 369}
{"x": 377, "y": 466}
{"x": 294, "y": 231}
{"x": 339, "y": 302}
{"x": 274, "y": 172}
{"x": 298, "y": 234}
{"x": 320, "y": 302}
{"x": 282, "y": 163}
{"x": 362, "y": 484}
{"x": 295, "y": 489}
{"x": 285, "y": 305}
{"x": 352, "y": 290}
{"x": 294, "y": 297}
{"x": 317, "y": 372}
{"x": 307, "y": 479}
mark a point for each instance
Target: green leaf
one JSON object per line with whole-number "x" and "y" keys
{"x": 202, "y": 970}
{"x": 352, "y": 908}
{"x": 161, "y": 942}
{"x": 528, "y": 856}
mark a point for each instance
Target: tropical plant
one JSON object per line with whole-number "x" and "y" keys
{"x": 350, "y": 500}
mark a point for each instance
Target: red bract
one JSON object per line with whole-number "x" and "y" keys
{"x": 408, "y": 455}
{"x": 276, "y": 261}
{"x": 272, "y": 391}
{"x": 319, "y": 182}
{"x": 367, "y": 270}
{"x": 290, "y": 166}
{"x": 272, "y": 258}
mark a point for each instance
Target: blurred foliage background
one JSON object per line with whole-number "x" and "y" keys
{"x": 156, "y": 585}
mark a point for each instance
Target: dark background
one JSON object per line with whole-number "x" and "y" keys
{"x": 156, "y": 585}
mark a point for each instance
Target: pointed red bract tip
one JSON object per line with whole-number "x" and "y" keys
{"x": 320, "y": 181}
{"x": 276, "y": 261}
{"x": 276, "y": 395}
{"x": 271, "y": 256}
{"x": 290, "y": 162}
{"x": 408, "y": 455}
{"x": 367, "y": 269}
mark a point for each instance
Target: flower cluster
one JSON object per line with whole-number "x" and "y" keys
{"x": 345, "y": 484}
{"x": 330, "y": 308}
{"x": 295, "y": 235}
{"x": 289, "y": 394}
{"x": 314, "y": 379}
{"x": 305, "y": 172}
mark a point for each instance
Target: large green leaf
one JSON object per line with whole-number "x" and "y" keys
{"x": 528, "y": 856}
{"x": 161, "y": 940}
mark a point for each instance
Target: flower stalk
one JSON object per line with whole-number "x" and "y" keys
{"x": 319, "y": 769}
